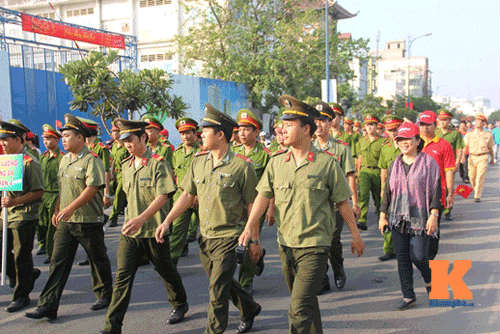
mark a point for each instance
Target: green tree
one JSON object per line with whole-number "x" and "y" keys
{"x": 99, "y": 90}
{"x": 274, "y": 47}
{"x": 494, "y": 116}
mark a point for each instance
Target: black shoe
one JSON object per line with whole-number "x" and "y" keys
{"x": 448, "y": 217}
{"x": 466, "y": 181}
{"x": 111, "y": 331}
{"x": 42, "y": 312}
{"x": 428, "y": 289}
{"x": 100, "y": 304}
{"x": 46, "y": 261}
{"x": 340, "y": 280}
{"x": 477, "y": 200}
{"x": 191, "y": 238}
{"x": 248, "y": 289}
{"x": 325, "y": 285}
{"x": 260, "y": 264}
{"x": 36, "y": 274}
{"x": 177, "y": 315}
{"x": 185, "y": 251}
{"x": 362, "y": 226}
{"x": 404, "y": 305}
{"x": 106, "y": 217}
{"x": 41, "y": 251}
{"x": 113, "y": 223}
{"x": 84, "y": 262}
{"x": 18, "y": 304}
{"x": 245, "y": 326}
{"x": 386, "y": 257}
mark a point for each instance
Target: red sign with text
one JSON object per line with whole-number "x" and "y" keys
{"x": 61, "y": 30}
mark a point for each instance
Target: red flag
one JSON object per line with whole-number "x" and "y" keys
{"x": 58, "y": 124}
{"x": 463, "y": 190}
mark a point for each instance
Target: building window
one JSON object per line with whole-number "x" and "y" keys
{"x": 155, "y": 57}
{"x": 80, "y": 12}
{"x": 48, "y": 15}
{"x": 153, "y": 3}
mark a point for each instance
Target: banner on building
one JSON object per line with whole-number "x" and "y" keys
{"x": 58, "y": 29}
{"x": 11, "y": 172}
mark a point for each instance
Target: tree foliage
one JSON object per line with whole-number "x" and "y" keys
{"x": 274, "y": 47}
{"x": 494, "y": 116}
{"x": 99, "y": 90}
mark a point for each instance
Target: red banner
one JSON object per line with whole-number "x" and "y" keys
{"x": 61, "y": 30}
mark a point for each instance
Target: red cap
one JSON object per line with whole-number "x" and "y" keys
{"x": 407, "y": 130}
{"x": 427, "y": 117}
{"x": 164, "y": 132}
{"x": 482, "y": 117}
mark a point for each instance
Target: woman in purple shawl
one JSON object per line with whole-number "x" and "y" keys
{"x": 410, "y": 209}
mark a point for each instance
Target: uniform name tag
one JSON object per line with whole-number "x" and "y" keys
{"x": 313, "y": 176}
{"x": 145, "y": 179}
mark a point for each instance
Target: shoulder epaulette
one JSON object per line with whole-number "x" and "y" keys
{"x": 94, "y": 154}
{"x": 342, "y": 142}
{"x": 278, "y": 152}
{"x": 101, "y": 144}
{"x": 157, "y": 157}
{"x": 201, "y": 153}
{"x": 241, "y": 156}
{"x": 27, "y": 158}
{"x": 268, "y": 151}
{"x": 331, "y": 154}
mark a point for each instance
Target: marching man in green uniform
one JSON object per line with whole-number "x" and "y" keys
{"x": 147, "y": 182}
{"x": 24, "y": 134}
{"x": 78, "y": 219}
{"x": 249, "y": 127}
{"x": 452, "y": 136}
{"x": 388, "y": 154}
{"x": 341, "y": 151}
{"x": 337, "y": 132}
{"x": 224, "y": 183}
{"x": 118, "y": 153}
{"x": 22, "y": 214}
{"x": 348, "y": 128}
{"x": 181, "y": 160}
{"x": 156, "y": 145}
{"x": 49, "y": 161}
{"x": 306, "y": 183}
{"x": 367, "y": 151}
{"x": 277, "y": 143}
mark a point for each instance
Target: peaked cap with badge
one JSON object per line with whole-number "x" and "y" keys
{"x": 392, "y": 121}
{"x": 444, "y": 114}
{"x": 49, "y": 131}
{"x": 128, "y": 128}
{"x": 153, "y": 122}
{"x": 74, "y": 123}
{"x": 337, "y": 108}
{"x": 186, "y": 124}
{"x": 90, "y": 125}
{"x": 214, "y": 117}
{"x": 296, "y": 109}
{"x": 20, "y": 125}
{"x": 370, "y": 119}
{"x": 9, "y": 129}
{"x": 247, "y": 117}
{"x": 325, "y": 111}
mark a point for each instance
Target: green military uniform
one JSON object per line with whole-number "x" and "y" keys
{"x": 259, "y": 157}
{"x": 102, "y": 152}
{"x": 225, "y": 189}
{"x": 163, "y": 147}
{"x": 34, "y": 153}
{"x": 304, "y": 195}
{"x": 22, "y": 220}
{"x": 118, "y": 153}
{"x": 143, "y": 181}
{"x": 76, "y": 173}
{"x": 50, "y": 168}
{"x": 181, "y": 161}
{"x": 369, "y": 173}
{"x": 342, "y": 153}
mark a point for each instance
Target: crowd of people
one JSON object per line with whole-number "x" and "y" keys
{"x": 227, "y": 180}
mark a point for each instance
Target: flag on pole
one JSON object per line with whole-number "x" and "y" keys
{"x": 463, "y": 190}
{"x": 58, "y": 124}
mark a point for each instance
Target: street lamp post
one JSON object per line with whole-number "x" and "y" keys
{"x": 408, "y": 55}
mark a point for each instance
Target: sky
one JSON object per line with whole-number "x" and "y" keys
{"x": 463, "y": 50}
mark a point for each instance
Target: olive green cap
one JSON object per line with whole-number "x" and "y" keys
{"x": 74, "y": 123}
{"x": 247, "y": 117}
{"x": 9, "y": 129}
{"x": 128, "y": 128}
{"x": 152, "y": 121}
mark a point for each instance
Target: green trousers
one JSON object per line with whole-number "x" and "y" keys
{"x": 218, "y": 258}
{"x": 335, "y": 254}
{"x": 46, "y": 238}
{"x": 129, "y": 254}
{"x": 179, "y": 234}
{"x": 119, "y": 202}
{"x": 20, "y": 237}
{"x": 304, "y": 269}
{"x": 193, "y": 225}
{"x": 248, "y": 268}
{"x": 66, "y": 240}
{"x": 388, "y": 246}
{"x": 369, "y": 181}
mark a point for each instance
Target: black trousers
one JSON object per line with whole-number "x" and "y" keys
{"x": 411, "y": 249}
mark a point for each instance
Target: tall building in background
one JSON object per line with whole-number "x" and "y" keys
{"x": 393, "y": 68}
{"x": 155, "y": 23}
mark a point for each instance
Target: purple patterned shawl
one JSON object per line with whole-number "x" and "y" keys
{"x": 411, "y": 194}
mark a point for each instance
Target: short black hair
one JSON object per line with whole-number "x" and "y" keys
{"x": 312, "y": 125}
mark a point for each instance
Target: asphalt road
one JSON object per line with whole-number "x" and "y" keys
{"x": 366, "y": 304}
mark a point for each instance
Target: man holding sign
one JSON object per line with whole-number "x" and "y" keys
{"x": 22, "y": 218}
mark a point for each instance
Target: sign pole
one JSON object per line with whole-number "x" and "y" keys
{"x": 4, "y": 241}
